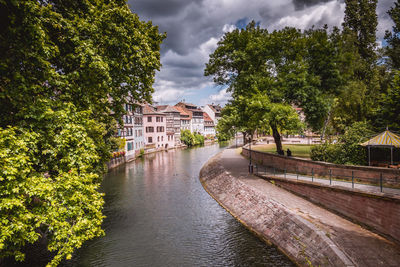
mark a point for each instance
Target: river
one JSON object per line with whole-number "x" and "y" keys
{"x": 158, "y": 214}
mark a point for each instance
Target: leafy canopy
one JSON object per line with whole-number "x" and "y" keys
{"x": 66, "y": 68}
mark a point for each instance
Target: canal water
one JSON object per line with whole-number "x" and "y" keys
{"x": 158, "y": 214}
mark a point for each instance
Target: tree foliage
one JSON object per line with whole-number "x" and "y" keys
{"x": 393, "y": 37}
{"x": 347, "y": 150}
{"x": 66, "y": 68}
{"x": 191, "y": 139}
{"x": 269, "y": 72}
{"x": 49, "y": 184}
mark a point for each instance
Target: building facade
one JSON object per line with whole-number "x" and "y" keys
{"x": 138, "y": 129}
{"x": 209, "y": 127}
{"x": 173, "y": 123}
{"x": 214, "y": 111}
{"x": 155, "y": 124}
{"x": 128, "y": 131}
{"x": 196, "y": 117}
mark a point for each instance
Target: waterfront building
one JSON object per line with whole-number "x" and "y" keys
{"x": 155, "y": 124}
{"x": 197, "y": 119}
{"x": 138, "y": 129}
{"x": 128, "y": 131}
{"x": 214, "y": 111}
{"x": 209, "y": 127}
{"x": 185, "y": 118}
{"x": 173, "y": 123}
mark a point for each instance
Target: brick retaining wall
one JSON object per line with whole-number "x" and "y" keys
{"x": 291, "y": 164}
{"x": 299, "y": 239}
{"x": 380, "y": 212}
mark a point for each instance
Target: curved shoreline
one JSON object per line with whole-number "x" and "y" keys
{"x": 303, "y": 239}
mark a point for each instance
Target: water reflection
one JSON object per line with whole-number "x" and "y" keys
{"x": 158, "y": 214}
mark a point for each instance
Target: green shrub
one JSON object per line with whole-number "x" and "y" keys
{"x": 348, "y": 150}
{"x": 190, "y": 139}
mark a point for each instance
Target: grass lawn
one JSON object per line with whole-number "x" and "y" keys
{"x": 301, "y": 151}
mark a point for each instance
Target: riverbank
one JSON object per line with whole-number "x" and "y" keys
{"x": 305, "y": 232}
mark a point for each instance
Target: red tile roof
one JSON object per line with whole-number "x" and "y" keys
{"x": 187, "y": 115}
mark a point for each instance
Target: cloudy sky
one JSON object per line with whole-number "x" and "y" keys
{"x": 194, "y": 27}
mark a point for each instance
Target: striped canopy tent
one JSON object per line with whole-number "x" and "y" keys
{"x": 385, "y": 139}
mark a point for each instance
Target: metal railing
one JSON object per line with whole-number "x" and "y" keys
{"x": 329, "y": 177}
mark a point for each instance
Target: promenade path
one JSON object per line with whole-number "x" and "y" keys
{"x": 362, "y": 246}
{"x": 327, "y": 182}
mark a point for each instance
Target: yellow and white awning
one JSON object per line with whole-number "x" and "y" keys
{"x": 386, "y": 138}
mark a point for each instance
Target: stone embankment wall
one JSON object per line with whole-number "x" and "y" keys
{"x": 379, "y": 211}
{"x": 299, "y": 239}
{"x": 115, "y": 162}
{"x": 309, "y": 167}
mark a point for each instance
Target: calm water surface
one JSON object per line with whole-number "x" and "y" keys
{"x": 158, "y": 214}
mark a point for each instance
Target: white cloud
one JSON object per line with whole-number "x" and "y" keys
{"x": 168, "y": 95}
{"x": 228, "y": 28}
{"x": 222, "y": 97}
{"x": 331, "y": 13}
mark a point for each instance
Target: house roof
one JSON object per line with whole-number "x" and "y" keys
{"x": 207, "y": 120}
{"x": 187, "y": 115}
{"x": 215, "y": 108}
{"x": 167, "y": 108}
{"x": 150, "y": 110}
{"x": 206, "y": 117}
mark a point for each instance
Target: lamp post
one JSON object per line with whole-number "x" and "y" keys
{"x": 250, "y": 164}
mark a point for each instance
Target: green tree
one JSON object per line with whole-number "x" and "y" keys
{"x": 393, "y": 37}
{"x": 94, "y": 54}
{"x": 347, "y": 150}
{"x": 49, "y": 184}
{"x": 360, "y": 17}
{"x": 388, "y": 113}
{"x": 67, "y": 68}
{"x": 273, "y": 67}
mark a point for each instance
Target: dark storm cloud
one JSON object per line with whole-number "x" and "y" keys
{"x": 194, "y": 27}
{"x": 159, "y": 8}
{"x": 301, "y": 4}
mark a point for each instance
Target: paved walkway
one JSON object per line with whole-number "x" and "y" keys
{"x": 363, "y": 247}
{"x": 348, "y": 184}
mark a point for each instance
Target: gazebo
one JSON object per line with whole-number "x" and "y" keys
{"x": 385, "y": 139}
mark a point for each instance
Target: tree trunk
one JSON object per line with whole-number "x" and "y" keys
{"x": 277, "y": 139}
{"x": 244, "y": 138}
{"x": 326, "y": 124}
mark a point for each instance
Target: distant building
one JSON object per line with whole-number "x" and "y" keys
{"x": 155, "y": 125}
{"x": 197, "y": 119}
{"x": 128, "y": 131}
{"x": 138, "y": 129}
{"x": 214, "y": 111}
{"x": 209, "y": 127}
{"x": 185, "y": 118}
{"x": 173, "y": 123}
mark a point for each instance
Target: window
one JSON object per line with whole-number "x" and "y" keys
{"x": 162, "y": 119}
{"x": 150, "y": 139}
{"x": 162, "y": 138}
{"x": 157, "y": 119}
{"x": 149, "y": 129}
{"x": 130, "y": 147}
{"x": 148, "y": 119}
{"x": 158, "y": 139}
